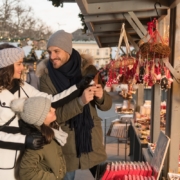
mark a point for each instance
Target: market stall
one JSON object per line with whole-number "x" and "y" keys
{"x": 104, "y": 20}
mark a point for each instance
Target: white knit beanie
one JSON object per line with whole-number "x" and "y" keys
{"x": 32, "y": 110}
{"x": 10, "y": 56}
{"x": 61, "y": 39}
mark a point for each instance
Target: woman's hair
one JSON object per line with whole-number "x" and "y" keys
{"x": 6, "y": 73}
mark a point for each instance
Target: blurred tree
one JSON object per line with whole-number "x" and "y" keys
{"x": 18, "y": 22}
{"x": 6, "y": 11}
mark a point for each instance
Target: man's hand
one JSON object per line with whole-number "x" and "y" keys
{"x": 88, "y": 94}
{"x": 98, "y": 91}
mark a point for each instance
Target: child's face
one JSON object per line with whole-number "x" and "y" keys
{"x": 51, "y": 116}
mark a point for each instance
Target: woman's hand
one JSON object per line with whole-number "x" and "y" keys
{"x": 85, "y": 82}
{"x": 34, "y": 141}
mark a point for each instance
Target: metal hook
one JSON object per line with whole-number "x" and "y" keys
{"x": 156, "y": 7}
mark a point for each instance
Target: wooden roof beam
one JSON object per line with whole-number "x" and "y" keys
{"x": 120, "y": 17}
{"x": 113, "y": 44}
{"x": 173, "y": 3}
{"x": 116, "y": 39}
{"x": 115, "y": 33}
{"x": 91, "y": 29}
{"x": 83, "y": 6}
{"x": 135, "y": 27}
{"x": 138, "y": 22}
{"x": 108, "y": 27}
{"x": 119, "y": 6}
{"x": 107, "y": 34}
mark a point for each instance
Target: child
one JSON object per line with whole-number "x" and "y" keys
{"x": 47, "y": 163}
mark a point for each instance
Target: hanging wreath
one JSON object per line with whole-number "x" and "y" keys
{"x": 121, "y": 71}
{"x": 151, "y": 68}
{"x": 155, "y": 46}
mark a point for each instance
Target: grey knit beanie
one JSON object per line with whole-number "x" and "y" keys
{"x": 61, "y": 39}
{"x": 32, "y": 110}
{"x": 10, "y": 56}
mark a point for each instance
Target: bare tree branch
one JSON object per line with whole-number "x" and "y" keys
{"x": 20, "y": 21}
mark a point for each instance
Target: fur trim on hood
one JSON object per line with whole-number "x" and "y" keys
{"x": 41, "y": 68}
{"x": 86, "y": 60}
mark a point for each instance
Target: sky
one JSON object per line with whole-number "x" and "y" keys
{"x": 56, "y": 17}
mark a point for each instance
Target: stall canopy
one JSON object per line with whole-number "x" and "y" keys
{"x": 104, "y": 18}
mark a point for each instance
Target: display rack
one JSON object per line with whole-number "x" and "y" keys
{"x": 138, "y": 170}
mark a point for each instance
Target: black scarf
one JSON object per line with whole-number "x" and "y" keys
{"x": 62, "y": 78}
{"x": 16, "y": 86}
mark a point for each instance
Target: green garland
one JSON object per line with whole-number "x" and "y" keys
{"x": 85, "y": 28}
{"x": 57, "y": 3}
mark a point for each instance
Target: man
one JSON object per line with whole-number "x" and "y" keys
{"x": 84, "y": 148}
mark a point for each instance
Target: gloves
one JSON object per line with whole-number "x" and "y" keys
{"x": 60, "y": 136}
{"x": 85, "y": 82}
{"x": 34, "y": 141}
{"x": 27, "y": 129}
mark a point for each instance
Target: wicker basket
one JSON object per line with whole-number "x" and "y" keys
{"x": 161, "y": 49}
{"x": 158, "y": 49}
{"x": 123, "y": 61}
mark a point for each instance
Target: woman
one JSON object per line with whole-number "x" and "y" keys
{"x": 12, "y": 87}
{"x": 47, "y": 163}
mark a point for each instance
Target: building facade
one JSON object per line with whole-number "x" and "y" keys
{"x": 102, "y": 56}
